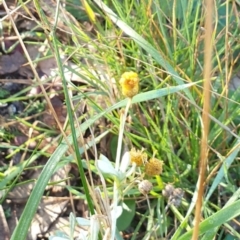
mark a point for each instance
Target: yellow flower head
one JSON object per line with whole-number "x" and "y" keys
{"x": 138, "y": 157}
{"x": 153, "y": 167}
{"x": 130, "y": 84}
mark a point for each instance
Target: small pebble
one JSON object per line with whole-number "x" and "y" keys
{"x": 12, "y": 109}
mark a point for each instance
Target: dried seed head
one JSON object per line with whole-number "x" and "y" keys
{"x": 130, "y": 84}
{"x": 168, "y": 190}
{"x": 174, "y": 195}
{"x": 153, "y": 167}
{"x": 138, "y": 157}
{"x": 176, "y": 202}
{"x": 145, "y": 187}
{"x": 178, "y": 193}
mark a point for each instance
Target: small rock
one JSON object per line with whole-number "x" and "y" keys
{"x": 12, "y": 109}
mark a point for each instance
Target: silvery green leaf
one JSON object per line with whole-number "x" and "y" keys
{"x": 94, "y": 227}
{"x": 125, "y": 162}
{"x": 83, "y": 221}
{"x": 72, "y": 221}
{"x": 104, "y": 158}
{"x": 116, "y": 213}
{"x": 107, "y": 169}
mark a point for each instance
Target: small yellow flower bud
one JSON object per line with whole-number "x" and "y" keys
{"x": 137, "y": 157}
{"x": 130, "y": 84}
{"x": 153, "y": 167}
{"x": 145, "y": 187}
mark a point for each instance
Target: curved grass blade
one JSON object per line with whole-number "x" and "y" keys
{"x": 226, "y": 164}
{"x": 217, "y": 219}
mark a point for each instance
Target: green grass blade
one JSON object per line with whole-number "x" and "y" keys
{"x": 226, "y": 164}
{"x": 21, "y": 230}
{"x": 217, "y": 219}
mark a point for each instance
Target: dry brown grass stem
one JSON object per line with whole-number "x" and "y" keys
{"x": 205, "y": 114}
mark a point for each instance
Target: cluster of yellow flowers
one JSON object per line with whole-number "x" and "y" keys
{"x": 138, "y": 157}
{"x": 153, "y": 166}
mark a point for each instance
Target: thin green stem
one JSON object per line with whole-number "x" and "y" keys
{"x": 71, "y": 121}
{"x": 117, "y": 164}
{"x": 120, "y": 136}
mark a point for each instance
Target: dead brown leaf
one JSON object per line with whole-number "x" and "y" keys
{"x": 60, "y": 110}
{"x": 11, "y": 63}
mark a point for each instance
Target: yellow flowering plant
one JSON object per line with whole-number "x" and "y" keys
{"x": 130, "y": 84}
{"x": 138, "y": 157}
{"x": 153, "y": 167}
